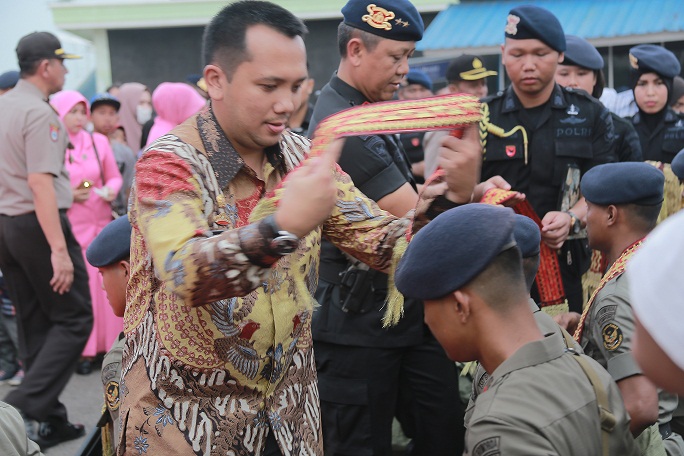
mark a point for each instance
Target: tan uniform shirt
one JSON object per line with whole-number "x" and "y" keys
{"x": 111, "y": 382}
{"x": 540, "y": 402}
{"x": 13, "y": 439}
{"x": 32, "y": 140}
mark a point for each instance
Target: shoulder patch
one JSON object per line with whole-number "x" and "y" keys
{"x": 112, "y": 396}
{"x": 612, "y": 336}
{"x": 605, "y": 315}
{"x": 54, "y": 132}
{"x": 488, "y": 447}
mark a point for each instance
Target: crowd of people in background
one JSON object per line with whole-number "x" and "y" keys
{"x": 152, "y": 207}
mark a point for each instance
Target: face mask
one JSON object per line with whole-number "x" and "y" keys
{"x": 143, "y": 114}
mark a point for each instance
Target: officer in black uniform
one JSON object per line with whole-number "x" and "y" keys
{"x": 548, "y": 137}
{"x": 418, "y": 85}
{"x": 660, "y": 129}
{"x": 582, "y": 65}
{"x": 361, "y": 366}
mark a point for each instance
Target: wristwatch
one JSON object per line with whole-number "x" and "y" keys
{"x": 575, "y": 224}
{"x": 281, "y": 242}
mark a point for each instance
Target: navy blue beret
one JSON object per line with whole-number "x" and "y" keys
{"x": 649, "y": 58}
{"x": 623, "y": 183}
{"x": 453, "y": 249}
{"x": 534, "y": 22}
{"x": 420, "y": 78}
{"x": 104, "y": 98}
{"x": 9, "y": 79}
{"x": 580, "y": 52}
{"x": 112, "y": 244}
{"x": 527, "y": 236}
{"x": 395, "y": 20}
{"x": 678, "y": 165}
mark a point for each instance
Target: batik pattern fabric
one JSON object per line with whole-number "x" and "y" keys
{"x": 218, "y": 348}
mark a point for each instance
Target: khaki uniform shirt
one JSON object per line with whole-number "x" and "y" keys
{"x": 13, "y": 439}
{"x": 111, "y": 381}
{"x": 32, "y": 140}
{"x": 540, "y": 402}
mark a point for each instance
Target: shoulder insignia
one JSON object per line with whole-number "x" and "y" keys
{"x": 54, "y": 132}
{"x": 488, "y": 447}
{"x": 378, "y": 17}
{"x": 612, "y": 336}
{"x": 112, "y": 396}
{"x": 512, "y": 24}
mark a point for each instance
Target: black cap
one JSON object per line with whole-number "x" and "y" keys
{"x": 534, "y": 22}
{"x": 396, "y": 20}
{"x": 623, "y": 183}
{"x": 649, "y": 58}
{"x": 467, "y": 67}
{"x": 41, "y": 45}
{"x": 104, "y": 98}
{"x": 453, "y": 249}
{"x": 582, "y": 53}
{"x": 9, "y": 79}
{"x": 112, "y": 244}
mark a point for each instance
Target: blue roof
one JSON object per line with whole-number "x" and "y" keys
{"x": 473, "y": 24}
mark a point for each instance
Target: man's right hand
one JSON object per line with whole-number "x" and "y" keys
{"x": 62, "y": 270}
{"x": 310, "y": 193}
{"x": 461, "y": 160}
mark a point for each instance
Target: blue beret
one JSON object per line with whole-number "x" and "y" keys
{"x": 9, "y": 79}
{"x": 112, "y": 244}
{"x": 420, "y": 78}
{"x": 104, "y": 98}
{"x": 582, "y": 53}
{"x": 395, "y": 20}
{"x": 453, "y": 249}
{"x": 623, "y": 183}
{"x": 649, "y": 58}
{"x": 534, "y": 22}
{"x": 527, "y": 236}
{"x": 678, "y": 165}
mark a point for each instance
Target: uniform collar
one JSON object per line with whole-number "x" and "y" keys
{"x": 223, "y": 157}
{"x": 512, "y": 103}
{"x": 531, "y": 354}
{"x": 348, "y": 92}
{"x": 24, "y": 86}
{"x": 670, "y": 116}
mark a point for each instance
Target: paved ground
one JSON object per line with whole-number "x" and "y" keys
{"x": 83, "y": 399}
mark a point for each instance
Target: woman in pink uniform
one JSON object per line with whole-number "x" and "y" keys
{"x": 95, "y": 180}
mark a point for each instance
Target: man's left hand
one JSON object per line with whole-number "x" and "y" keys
{"x": 461, "y": 160}
{"x": 555, "y": 229}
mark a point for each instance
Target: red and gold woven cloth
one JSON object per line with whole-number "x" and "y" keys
{"x": 615, "y": 270}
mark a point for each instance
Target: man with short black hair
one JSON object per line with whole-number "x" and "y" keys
{"x": 39, "y": 256}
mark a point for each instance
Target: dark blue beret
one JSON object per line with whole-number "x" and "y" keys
{"x": 9, "y": 79}
{"x": 527, "y": 236}
{"x": 104, "y": 98}
{"x": 580, "y": 52}
{"x": 453, "y": 249}
{"x": 623, "y": 183}
{"x": 678, "y": 165}
{"x": 420, "y": 78}
{"x": 395, "y": 20}
{"x": 112, "y": 244}
{"x": 649, "y": 58}
{"x": 534, "y": 22}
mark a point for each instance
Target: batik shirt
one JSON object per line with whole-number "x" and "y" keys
{"x": 218, "y": 335}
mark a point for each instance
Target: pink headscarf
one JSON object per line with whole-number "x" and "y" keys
{"x": 129, "y": 96}
{"x": 65, "y": 100}
{"x": 173, "y": 102}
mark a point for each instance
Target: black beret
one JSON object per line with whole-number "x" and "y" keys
{"x": 9, "y": 79}
{"x": 396, "y": 20}
{"x": 420, "y": 78}
{"x": 467, "y": 67}
{"x": 582, "y": 53}
{"x": 527, "y": 236}
{"x": 649, "y": 58}
{"x": 678, "y": 165}
{"x": 453, "y": 249}
{"x": 677, "y": 88}
{"x": 623, "y": 183}
{"x": 112, "y": 244}
{"x": 534, "y": 22}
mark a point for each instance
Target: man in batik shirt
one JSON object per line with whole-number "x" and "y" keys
{"x": 218, "y": 355}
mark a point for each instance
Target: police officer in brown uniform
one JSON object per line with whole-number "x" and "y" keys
{"x": 40, "y": 258}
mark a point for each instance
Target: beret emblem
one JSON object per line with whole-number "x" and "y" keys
{"x": 512, "y": 24}
{"x": 378, "y": 17}
{"x": 634, "y": 62}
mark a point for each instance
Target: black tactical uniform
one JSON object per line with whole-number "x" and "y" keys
{"x": 664, "y": 141}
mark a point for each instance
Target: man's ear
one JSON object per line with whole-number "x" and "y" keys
{"x": 216, "y": 80}
{"x": 463, "y": 301}
{"x": 126, "y": 267}
{"x": 355, "y": 51}
{"x": 561, "y": 57}
{"x": 612, "y": 215}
